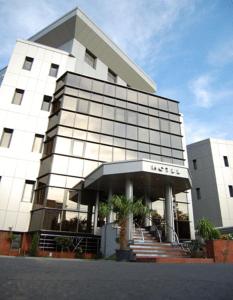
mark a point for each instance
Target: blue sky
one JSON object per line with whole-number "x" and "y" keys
{"x": 185, "y": 46}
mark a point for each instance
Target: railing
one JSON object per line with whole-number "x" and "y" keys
{"x": 139, "y": 227}
{"x": 88, "y": 244}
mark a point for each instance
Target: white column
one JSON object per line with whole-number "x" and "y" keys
{"x": 169, "y": 214}
{"x": 96, "y": 212}
{"x": 110, "y": 216}
{"x": 129, "y": 195}
{"x": 149, "y": 205}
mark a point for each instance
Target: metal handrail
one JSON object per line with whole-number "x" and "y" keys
{"x": 156, "y": 229}
{"x": 143, "y": 239}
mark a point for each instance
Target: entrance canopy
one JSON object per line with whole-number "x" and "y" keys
{"x": 148, "y": 177}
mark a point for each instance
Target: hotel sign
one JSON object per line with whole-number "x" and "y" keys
{"x": 165, "y": 169}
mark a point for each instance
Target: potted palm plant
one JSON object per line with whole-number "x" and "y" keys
{"x": 123, "y": 207}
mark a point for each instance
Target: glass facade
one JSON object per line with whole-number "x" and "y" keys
{"x": 92, "y": 122}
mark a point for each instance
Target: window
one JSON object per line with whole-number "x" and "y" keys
{"x": 53, "y": 70}
{"x": 49, "y": 147}
{"x": 6, "y": 137}
{"x": 46, "y": 103}
{"x": 194, "y": 164}
{"x": 28, "y": 191}
{"x": 226, "y": 163}
{"x": 18, "y": 96}
{"x": 90, "y": 59}
{"x": 38, "y": 143}
{"x": 28, "y": 63}
{"x": 112, "y": 77}
{"x": 230, "y": 190}
{"x": 198, "y": 192}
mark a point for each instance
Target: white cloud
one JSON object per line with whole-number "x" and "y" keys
{"x": 141, "y": 28}
{"x": 206, "y": 91}
{"x": 222, "y": 54}
{"x": 197, "y": 130}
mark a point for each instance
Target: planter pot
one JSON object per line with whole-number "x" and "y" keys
{"x": 125, "y": 255}
{"x": 220, "y": 250}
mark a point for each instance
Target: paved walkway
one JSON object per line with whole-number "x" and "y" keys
{"x": 43, "y": 278}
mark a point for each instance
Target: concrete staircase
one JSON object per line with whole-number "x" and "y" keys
{"x": 147, "y": 249}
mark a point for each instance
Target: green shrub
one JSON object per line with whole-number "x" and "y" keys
{"x": 207, "y": 230}
{"x": 34, "y": 244}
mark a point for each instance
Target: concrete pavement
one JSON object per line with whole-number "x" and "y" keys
{"x": 43, "y": 278}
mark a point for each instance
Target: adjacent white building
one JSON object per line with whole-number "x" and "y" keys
{"x": 72, "y": 61}
{"x": 211, "y": 166}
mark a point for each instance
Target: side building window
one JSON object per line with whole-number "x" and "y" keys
{"x": 194, "y": 164}
{"x": 28, "y": 63}
{"x": 112, "y": 77}
{"x": 18, "y": 97}
{"x": 6, "y": 137}
{"x": 38, "y": 143}
{"x": 90, "y": 59}
{"x": 46, "y": 103}
{"x": 53, "y": 70}
{"x": 198, "y": 193}
{"x": 28, "y": 191}
{"x": 226, "y": 162}
{"x": 230, "y": 190}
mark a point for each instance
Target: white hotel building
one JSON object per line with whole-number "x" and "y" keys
{"x": 79, "y": 121}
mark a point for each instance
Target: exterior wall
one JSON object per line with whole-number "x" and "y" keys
{"x": 91, "y": 123}
{"x": 224, "y": 177}
{"x": 99, "y": 72}
{"x": 18, "y": 163}
{"x": 213, "y": 179}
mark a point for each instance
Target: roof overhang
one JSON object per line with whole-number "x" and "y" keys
{"x": 76, "y": 25}
{"x": 148, "y": 177}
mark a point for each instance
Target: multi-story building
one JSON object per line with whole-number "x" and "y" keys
{"x": 103, "y": 110}
{"x": 211, "y": 166}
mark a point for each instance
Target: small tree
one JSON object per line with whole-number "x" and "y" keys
{"x": 123, "y": 207}
{"x": 34, "y": 244}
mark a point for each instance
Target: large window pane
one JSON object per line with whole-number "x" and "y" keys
{"x": 105, "y": 153}
{"x": 131, "y": 144}
{"x": 176, "y": 142}
{"x": 81, "y": 121}
{"x": 173, "y": 107}
{"x": 118, "y": 154}
{"x": 96, "y": 109}
{"x": 119, "y": 142}
{"x": 92, "y": 151}
{"x": 154, "y": 123}
{"x": 93, "y": 137}
{"x": 154, "y": 137}
{"x": 175, "y": 128}
{"x": 132, "y": 96}
{"x": 67, "y": 118}
{"x": 143, "y": 147}
{"x": 164, "y": 125}
{"x": 142, "y": 120}
{"x": 142, "y": 99}
{"x": 107, "y": 127}
{"x": 119, "y": 129}
{"x": 83, "y": 106}
{"x": 108, "y": 112}
{"x": 163, "y": 104}
{"x": 132, "y": 117}
{"x": 153, "y": 102}
{"x": 94, "y": 124}
{"x": 165, "y": 139}
{"x": 77, "y": 149}
{"x": 121, "y": 92}
{"x": 120, "y": 115}
{"x": 131, "y": 155}
{"x": 132, "y": 132}
{"x": 143, "y": 135}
